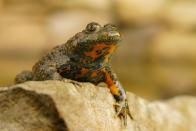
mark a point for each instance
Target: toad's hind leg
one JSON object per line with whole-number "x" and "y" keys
{"x": 23, "y": 77}
{"x": 46, "y": 72}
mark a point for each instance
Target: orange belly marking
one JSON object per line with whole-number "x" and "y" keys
{"x": 93, "y": 54}
{"x": 94, "y": 74}
{"x": 84, "y": 71}
{"x": 99, "y": 47}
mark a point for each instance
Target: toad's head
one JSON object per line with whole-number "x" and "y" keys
{"x": 96, "y": 42}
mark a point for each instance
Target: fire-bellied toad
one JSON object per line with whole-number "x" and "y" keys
{"x": 85, "y": 58}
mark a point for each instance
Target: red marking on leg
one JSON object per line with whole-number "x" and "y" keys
{"x": 111, "y": 83}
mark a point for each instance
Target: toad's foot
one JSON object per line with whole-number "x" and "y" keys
{"x": 122, "y": 110}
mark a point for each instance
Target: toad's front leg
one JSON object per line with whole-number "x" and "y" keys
{"x": 119, "y": 94}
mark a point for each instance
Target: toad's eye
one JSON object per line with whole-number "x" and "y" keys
{"x": 93, "y": 27}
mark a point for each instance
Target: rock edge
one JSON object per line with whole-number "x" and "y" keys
{"x": 68, "y": 105}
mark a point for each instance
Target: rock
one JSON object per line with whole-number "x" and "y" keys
{"x": 174, "y": 45}
{"x": 187, "y": 12}
{"x": 99, "y": 5}
{"x": 164, "y": 12}
{"x": 173, "y": 55}
{"x": 147, "y": 12}
{"x": 67, "y": 105}
{"x": 21, "y": 33}
{"x": 1, "y": 5}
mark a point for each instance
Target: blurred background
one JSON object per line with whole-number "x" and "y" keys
{"x": 157, "y": 58}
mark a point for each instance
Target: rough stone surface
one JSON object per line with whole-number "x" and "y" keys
{"x": 67, "y": 105}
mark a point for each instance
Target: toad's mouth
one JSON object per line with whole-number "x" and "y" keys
{"x": 109, "y": 37}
